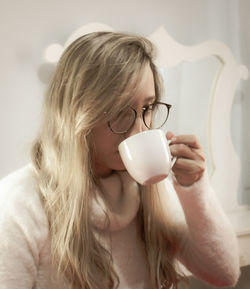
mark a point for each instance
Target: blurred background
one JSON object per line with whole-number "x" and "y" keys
{"x": 27, "y": 27}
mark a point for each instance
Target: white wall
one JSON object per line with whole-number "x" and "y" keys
{"x": 244, "y": 32}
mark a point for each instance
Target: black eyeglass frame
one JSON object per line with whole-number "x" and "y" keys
{"x": 144, "y": 109}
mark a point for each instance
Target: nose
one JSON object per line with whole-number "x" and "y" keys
{"x": 139, "y": 126}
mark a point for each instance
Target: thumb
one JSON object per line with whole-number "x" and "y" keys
{"x": 169, "y": 135}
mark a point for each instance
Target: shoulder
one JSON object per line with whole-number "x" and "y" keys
{"x": 17, "y": 180}
{"x": 23, "y": 229}
{"x": 20, "y": 203}
{"x": 19, "y": 186}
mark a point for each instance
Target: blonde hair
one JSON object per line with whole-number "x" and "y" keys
{"x": 97, "y": 73}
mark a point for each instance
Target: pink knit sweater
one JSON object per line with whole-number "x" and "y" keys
{"x": 210, "y": 246}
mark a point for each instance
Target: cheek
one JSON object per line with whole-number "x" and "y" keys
{"x": 107, "y": 155}
{"x": 105, "y": 142}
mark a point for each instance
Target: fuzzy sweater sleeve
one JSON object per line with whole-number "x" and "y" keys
{"x": 23, "y": 230}
{"x": 209, "y": 246}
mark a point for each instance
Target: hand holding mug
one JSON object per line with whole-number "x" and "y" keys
{"x": 190, "y": 163}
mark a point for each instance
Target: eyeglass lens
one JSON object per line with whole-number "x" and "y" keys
{"x": 123, "y": 121}
{"x": 153, "y": 117}
{"x": 159, "y": 115}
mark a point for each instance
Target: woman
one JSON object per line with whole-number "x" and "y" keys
{"x": 75, "y": 218}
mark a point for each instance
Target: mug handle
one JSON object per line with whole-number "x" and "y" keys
{"x": 173, "y": 159}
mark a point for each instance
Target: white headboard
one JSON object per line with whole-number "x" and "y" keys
{"x": 224, "y": 162}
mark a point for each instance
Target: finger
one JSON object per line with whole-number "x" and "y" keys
{"x": 187, "y": 166}
{"x": 185, "y": 180}
{"x": 187, "y": 175}
{"x": 170, "y": 135}
{"x": 188, "y": 172}
{"x": 184, "y": 151}
{"x": 190, "y": 140}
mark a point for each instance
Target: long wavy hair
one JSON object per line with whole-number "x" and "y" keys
{"x": 97, "y": 73}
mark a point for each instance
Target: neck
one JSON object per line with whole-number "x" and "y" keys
{"x": 119, "y": 198}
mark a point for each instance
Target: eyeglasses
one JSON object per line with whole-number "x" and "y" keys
{"x": 154, "y": 116}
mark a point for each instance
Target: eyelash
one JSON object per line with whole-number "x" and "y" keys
{"x": 149, "y": 106}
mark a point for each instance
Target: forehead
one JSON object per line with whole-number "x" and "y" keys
{"x": 137, "y": 93}
{"x": 146, "y": 87}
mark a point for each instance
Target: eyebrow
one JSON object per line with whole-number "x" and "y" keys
{"x": 150, "y": 98}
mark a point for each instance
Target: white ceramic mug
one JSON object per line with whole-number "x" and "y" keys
{"x": 147, "y": 156}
